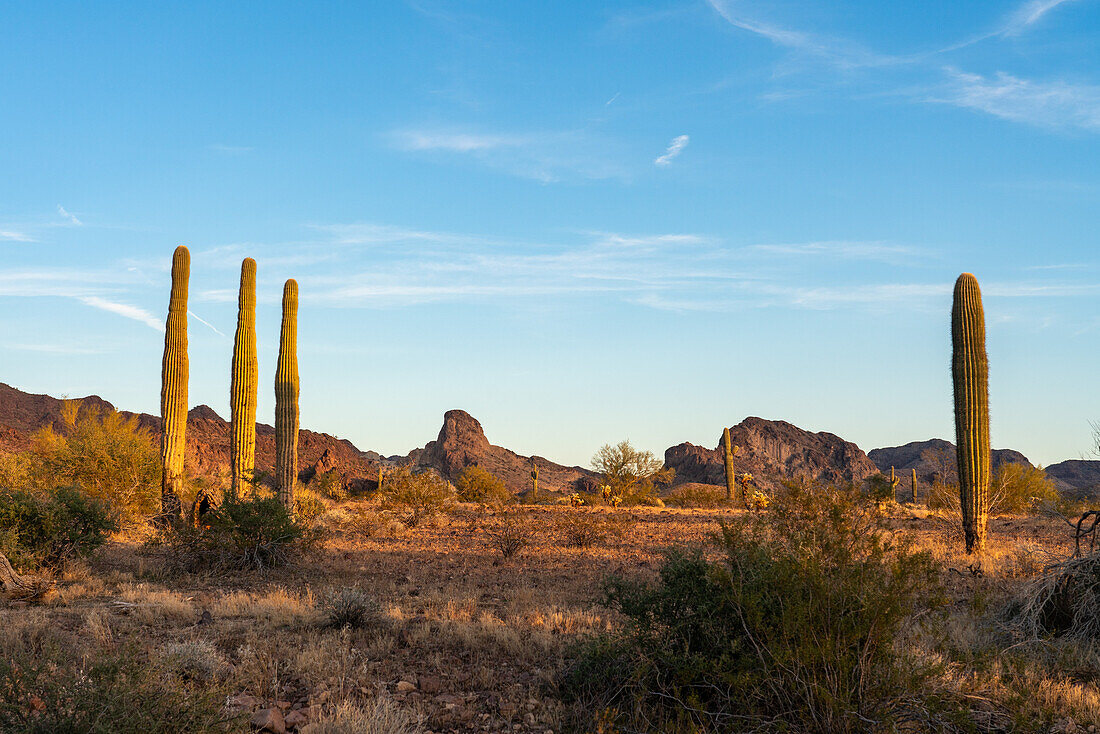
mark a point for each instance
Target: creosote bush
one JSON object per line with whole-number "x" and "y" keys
{"x": 47, "y": 529}
{"x": 256, "y": 532}
{"x": 510, "y": 533}
{"x": 475, "y": 484}
{"x": 793, "y": 629}
{"x": 414, "y": 496}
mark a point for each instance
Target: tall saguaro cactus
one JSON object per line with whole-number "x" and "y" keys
{"x": 242, "y": 391}
{"x": 913, "y": 488}
{"x": 970, "y": 374}
{"x": 173, "y": 388}
{"x": 731, "y": 477}
{"x": 286, "y": 398}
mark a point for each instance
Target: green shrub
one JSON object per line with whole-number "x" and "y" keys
{"x": 475, "y": 484}
{"x": 330, "y": 485}
{"x": 794, "y": 629}
{"x": 104, "y": 453}
{"x": 50, "y": 690}
{"x": 1013, "y": 489}
{"x": 414, "y": 496}
{"x": 48, "y": 529}
{"x": 256, "y": 532}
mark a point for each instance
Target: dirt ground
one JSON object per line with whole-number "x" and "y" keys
{"x": 467, "y": 640}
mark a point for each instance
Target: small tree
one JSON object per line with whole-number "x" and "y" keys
{"x": 629, "y": 473}
{"x": 415, "y": 495}
{"x": 104, "y": 453}
{"x": 475, "y": 484}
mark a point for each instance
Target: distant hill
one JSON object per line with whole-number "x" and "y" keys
{"x": 1080, "y": 476}
{"x": 927, "y": 457}
{"x": 772, "y": 451}
{"x": 21, "y": 414}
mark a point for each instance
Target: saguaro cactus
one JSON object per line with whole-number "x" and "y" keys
{"x": 173, "y": 388}
{"x": 970, "y": 373}
{"x": 534, "y": 480}
{"x": 913, "y": 489}
{"x": 286, "y": 398}
{"x": 731, "y": 477}
{"x": 242, "y": 391}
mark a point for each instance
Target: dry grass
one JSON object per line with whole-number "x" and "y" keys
{"x": 473, "y": 640}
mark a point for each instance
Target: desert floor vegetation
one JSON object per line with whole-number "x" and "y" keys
{"x": 434, "y": 627}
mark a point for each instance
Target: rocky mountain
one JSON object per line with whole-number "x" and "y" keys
{"x": 933, "y": 457}
{"x": 21, "y": 414}
{"x": 462, "y": 443}
{"x": 1079, "y": 476}
{"x": 772, "y": 451}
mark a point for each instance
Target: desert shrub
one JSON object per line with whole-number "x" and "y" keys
{"x": 475, "y": 484}
{"x": 256, "y": 532}
{"x": 1013, "y": 489}
{"x": 793, "y": 629}
{"x": 510, "y": 534}
{"x": 49, "y": 529}
{"x": 46, "y": 689}
{"x": 629, "y": 474}
{"x": 106, "y": 454}
{"x": 330, "y": 485}
{"x": 197, "y": 660}
{"x": 377, "y": 716}
{"x": 308, "y": 506}
{"x": 414, "y": 496}
{"x": 697, "y": 495}
{"x": 350, "y": 607}
{"x": 580, "y": 529}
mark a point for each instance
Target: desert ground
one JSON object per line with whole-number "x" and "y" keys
{"x": 467, "y": 640}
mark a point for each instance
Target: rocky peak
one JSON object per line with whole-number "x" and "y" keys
{"x": 772, "y": 451}
{"x": 203, "y": 413}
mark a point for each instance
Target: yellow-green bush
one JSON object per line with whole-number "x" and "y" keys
{"x": 475, "y": 484}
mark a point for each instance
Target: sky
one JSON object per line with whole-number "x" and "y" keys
{"x": 581, "y": 222}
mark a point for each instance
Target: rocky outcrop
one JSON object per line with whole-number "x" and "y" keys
{"x": 462, "y": 443}
{"x": 773, "y": 451}
{"x": 21, "y": 414}
{"x": 933, "y": 458}
{"x": 1079, "y": 477}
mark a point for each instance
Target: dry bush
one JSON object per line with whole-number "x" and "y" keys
{"x": 277, "y": 607}
{"x": 580, "y": 529}
{"x": 697, "y": 495}
{"x": 380, "y": 716}
{"x": 1063, "y": 602}
{"x": 197, "y": 660}
{"x": 350, "y": 607}
{"x": 510, "y": 533}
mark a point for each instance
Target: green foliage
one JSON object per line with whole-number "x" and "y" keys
{"x": 331, "y": 485}
{"x": 630, "y": 474}
{"x": 1019, "y": 488}
{"x": 48, "y": 529}
{"x": 255, "y": 532}
{"x": 475, "y": 484}
{"x": 793, "y": 629}
{"x": 414, "y": 496}
{"x": 46, "y": 689}
{"x": 104, "y": 453}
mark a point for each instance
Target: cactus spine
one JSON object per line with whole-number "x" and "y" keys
{"x": 242, "y": 395}
{"x": 286, "y": 398}
{"x": 731, "y": 477}
{"x": 970, "y": 374}
{"x": 173, "y": 388}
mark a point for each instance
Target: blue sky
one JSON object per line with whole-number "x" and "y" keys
{"x": 581, "y": 222}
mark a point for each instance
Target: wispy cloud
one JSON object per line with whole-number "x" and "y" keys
{"x": 1029, "y": 14}
{"x": 125, "y": 310}
{"x": 674, "y": 149}
{"x": 545, "y": 156}
{"x": 849, "y": 250}
{"x": 68, "y": 215}
{"x": 1053, "y": 104}
{"x": 9, "y": 235}
{"x": 839, "y": 52}
{"x": 455, "y": 142}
